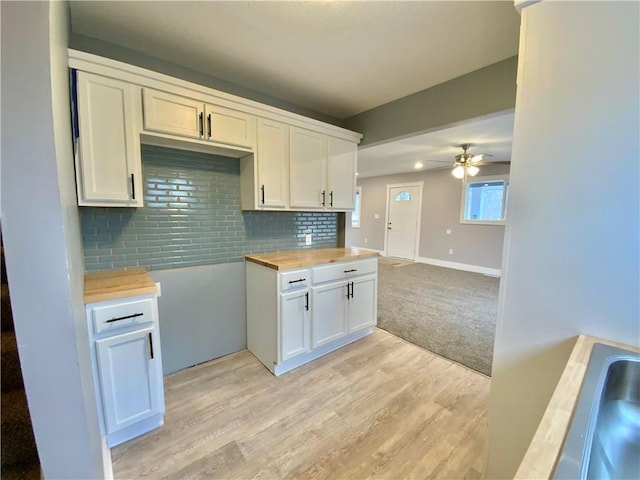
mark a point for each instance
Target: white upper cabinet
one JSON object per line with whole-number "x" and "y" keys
{"x": 307, "y": 185}
{"x": 167, "y": 113}
{"x": 225, "y": 125}
{"x": 323, "y": 171}
{"x": 177, "y": 115}
{"x": 108, "y": 167}
{"x": 341, "y": 174}
{"x": 287, "y": 162}
{"x": 273, "y": 164}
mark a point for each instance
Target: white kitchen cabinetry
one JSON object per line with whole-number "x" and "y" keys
{"x": 127, "y": 366}
{"x": 308, "y": 169}
{"x": 294, "y": 324}
{"x": 344, "y": 294}
{"x": 264, "y": 176}
{"x": 341, "y": 174}
{"x": 329, "y": 305}
{"x": 323, "y": 171}
{"x": 297, "y": 315}
{"x": 108, "y": 165}
{"x": 176, "y": 115}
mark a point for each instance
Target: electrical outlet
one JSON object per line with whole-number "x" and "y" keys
{"x": 307, "y": 239}
{"x": 158, "y": 289}
{"x": 366, "y": 240}
{"x": 451, "y": 251}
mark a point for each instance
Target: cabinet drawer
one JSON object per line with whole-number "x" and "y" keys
{"x": 120, "y": 315}
{"x": 294, "y": 279}
{"x": 337, "y": 271}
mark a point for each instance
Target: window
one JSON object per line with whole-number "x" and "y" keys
{"x": 403, "y": 197}
{"x": 355, "y": 215}
{"x": 484, "y": 200}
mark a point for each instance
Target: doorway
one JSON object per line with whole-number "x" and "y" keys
{"x": 404, "y": 206}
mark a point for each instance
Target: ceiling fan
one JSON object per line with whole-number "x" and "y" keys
{"x": 466, "y": 164}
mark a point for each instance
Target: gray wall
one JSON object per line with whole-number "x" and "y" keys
{"x": 42, "y": 240}
{"x": 132, "y": 57}
{"x": 477, "y": 245}
{"x": 192, "y": 217}
{"x": 483, "y": 92}
{"x": 202, "y": 313}
{"x": 572, "y": 253}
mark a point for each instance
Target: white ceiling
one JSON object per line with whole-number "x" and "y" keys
{"x": 338, "y": 58}
{"x": 436, "y": 149}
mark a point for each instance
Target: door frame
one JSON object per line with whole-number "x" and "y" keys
{"x": 420, "y": 186}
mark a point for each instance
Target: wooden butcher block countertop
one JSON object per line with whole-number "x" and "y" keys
{"x": 308, "y": 257}
{"x": 114, "y": 284}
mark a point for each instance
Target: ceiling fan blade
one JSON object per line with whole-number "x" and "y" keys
{"x": 498, "y": 162}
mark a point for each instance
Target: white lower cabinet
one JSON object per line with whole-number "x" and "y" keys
{"x": 127, "y": 366}
{"x": 295, "y": 316}
{"x": 294, "y": 324}
{"x": 329, "y": 313}
{"x": 362, "y": 303}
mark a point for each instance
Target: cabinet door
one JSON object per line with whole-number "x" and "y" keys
{"x": 294, "y": 324}
{"x": 224, "y": 125}
{"x": 130, "y": 378}
{"x": 168, "y": 113}
{"x": 362, "y": 304}
{"x": 328, "y": 313}
{"x": 109, "y": 168}
{"x": 341, "y": 174}
{"x": 308, "y": 169}
{"x": 273, "y": 164}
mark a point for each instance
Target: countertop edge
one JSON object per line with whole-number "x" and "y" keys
{"x": 308, "y": 260}
{"x": 116, "y": 284}
{"x": 542, "y": 455}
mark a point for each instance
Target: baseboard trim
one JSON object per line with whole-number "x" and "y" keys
{"x": 381, "y": 252}
{"x": 492, "y": 272}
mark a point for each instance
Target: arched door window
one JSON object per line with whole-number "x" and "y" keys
{"x": 403, "y": 197}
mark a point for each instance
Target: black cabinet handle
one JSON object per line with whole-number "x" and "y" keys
{"x": 306, "y": 301}
{"x": 352, "y": 270}
{"x": 201, "y": 120}
{"x": 151, "y": 345}
{"x": 209, "y": 125}
{"x": 133, "y": 187}
{"x": 351, "y": 289}
{"x": 296, "y": 281}
{"x": 262, "y": 190}
{"x": 117, "y": 319}
{"x": 348, "y": 294}
{"x": 331, "y": 196}
{"x": 323, "y": 198}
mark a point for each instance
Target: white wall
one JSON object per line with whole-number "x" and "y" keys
{"x": 42, "y": 239}
{"x": 572, "y": 258}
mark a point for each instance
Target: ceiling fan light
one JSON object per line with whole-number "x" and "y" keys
{"x": 458, "y": 171}
{"x": 472, "y": 170}
{"x": 478, "y": 158}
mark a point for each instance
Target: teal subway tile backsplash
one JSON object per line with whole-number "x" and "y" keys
{"x": 192, "y": 217}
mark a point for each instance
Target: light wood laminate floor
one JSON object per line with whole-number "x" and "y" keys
{"x": 380, "y": 407}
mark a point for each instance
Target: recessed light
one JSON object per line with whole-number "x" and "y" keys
{"x": 418, "y": 165}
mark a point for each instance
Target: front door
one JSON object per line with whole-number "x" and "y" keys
{"x": 402, "y": 221}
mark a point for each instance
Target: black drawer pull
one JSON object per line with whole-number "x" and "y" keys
{"x": 133, "y": 187}
{"x": 125, "y": 318}
{"x": 306, "y": 301}
{"x": 297, "y": 281}
{"x": 352, "y": 270}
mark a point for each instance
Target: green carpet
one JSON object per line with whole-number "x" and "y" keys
{"x": 449, "y": 312}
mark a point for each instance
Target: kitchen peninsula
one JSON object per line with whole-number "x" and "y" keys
{"x": 306, "y": 303}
